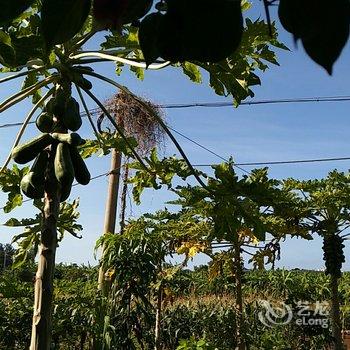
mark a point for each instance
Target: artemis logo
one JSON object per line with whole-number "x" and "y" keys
{"x": 271, "y": 316}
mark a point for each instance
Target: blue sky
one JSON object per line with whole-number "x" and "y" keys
{"x": 248, "y": 133}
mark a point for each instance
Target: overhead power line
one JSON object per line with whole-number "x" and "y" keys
{"x": 317, "y": 160}
{"x": 345, "y": 98}
{"x": 224, "y": 104}
{"x": 207, "y": 149}
{"x": 238, "y": 165}
{"x": 284, "y": 162}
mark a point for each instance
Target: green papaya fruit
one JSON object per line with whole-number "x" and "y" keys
{"x": 65, "y": 192}
{"x": 71, "y": 139}
{"x": 293, "y": 17}
{"x": 71, "y": 117}
{"x": 213, "y": 31}
{"x": 59, "y": 103}
{"x": 200, "y": 30}
{"x": 78, "y": 78}
{"x": 322, "y": 26}
{"x": 170, "y": 39}
{"x": 45, "y": 122}
{"x": 331, "y": 32}
{"x": 148, "y": 37}
{"x": 63, "y": 166}
{"x": 49, "y": 106}
{"x": 38, "y": 169}
{"x": 27, "y": 152}
{"x": 86, "y": 84}
{"x": 29, "y": 190}
{"x": 82, "y": 174}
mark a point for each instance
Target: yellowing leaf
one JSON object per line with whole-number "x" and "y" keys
{"x": 190, "y": 249}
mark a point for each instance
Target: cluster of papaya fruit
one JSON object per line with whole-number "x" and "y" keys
{"x": 322, "y": 26}
{"x": 61, "y": 113}
{"x": 333, "y": 254}
{"x": 192, "y": 30}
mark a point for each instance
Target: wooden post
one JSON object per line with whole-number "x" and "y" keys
{"x": 111, "y": 204}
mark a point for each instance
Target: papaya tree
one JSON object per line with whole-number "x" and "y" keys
{"x": 42, "y": 42}
{"x": 236, "y": 212}
{"x": 326, "y": 204}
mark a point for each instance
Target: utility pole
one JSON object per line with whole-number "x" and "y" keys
{"x": 111, "y": 203}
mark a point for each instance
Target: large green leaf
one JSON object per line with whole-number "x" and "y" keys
{"x": 236, "y": 75}
{"x": 61, "y": 20}
{"x": 26, "y": 48}
{"x": 12, "y": 9}
{"x": 9, "y": 183}
{"x": 322, "y": 26}
{"x": 7, "y": 52}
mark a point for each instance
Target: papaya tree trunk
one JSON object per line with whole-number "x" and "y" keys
{"x": 239, "y": 296}
{"x": 335, "y": 314}
{"x": 157, "y": 328}
{"x": 43, "y": 290}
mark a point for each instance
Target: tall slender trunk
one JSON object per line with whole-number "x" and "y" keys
{"x": 43, "y": 290}
{"x": 335, "y": 314}
{"x": 111, "y": 205}
{"x": 157, "y": 328}
{"x": 123, "y": 197}
{"x": 239, "y": 295}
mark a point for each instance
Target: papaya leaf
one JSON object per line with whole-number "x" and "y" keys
{"x": 27, "y": 47}
{"x": 30, "y": 80}
{"x": 127, "y": 40}
{"x": 24, "y": 222}
{"x": 192, "y": 71}
{"x": 7, "y": 52}
{"x": 106, "y": 143}
{"x": 67, "y": 220}
{"x": 28, "y": 241}
{"x": 14, "y": 200}
{"x": 236, "y": 75}
{"x": 61, "y": 20}
{"x": 139, "y": 72}
{"x": 10, "y": 180}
